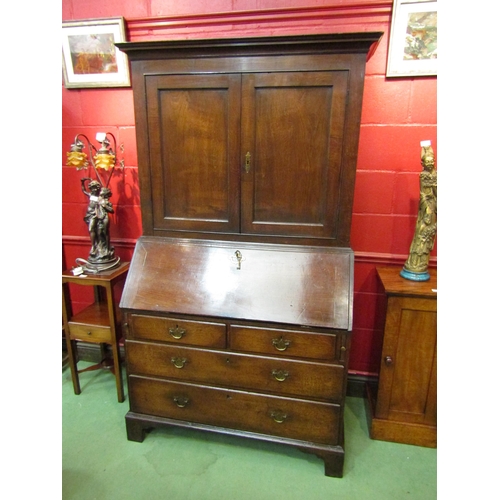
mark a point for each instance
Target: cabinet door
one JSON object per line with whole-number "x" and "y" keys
{"x": 292, "y": 132}
{"x": 408, "y": 373}
{"x": 193, "y": 123}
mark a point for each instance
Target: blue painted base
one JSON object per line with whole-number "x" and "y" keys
{"x": 415, "y": 276}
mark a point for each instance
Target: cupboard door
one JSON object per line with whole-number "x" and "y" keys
{"x": 292, "y": 141}
{"x": 193, "y": 123}
{"x": 407, "y": 385}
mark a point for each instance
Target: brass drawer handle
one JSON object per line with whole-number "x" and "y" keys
{"x": 181, "y": 401}
{"x": 281, "y": 344}
{"x": 278, "y": 416}
{"x": 177, "y": 333}
{"x": 178, "y": 362}
{"x": 280, "y": 375}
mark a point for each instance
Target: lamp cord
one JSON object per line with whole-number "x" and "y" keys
{"x": 91, "y": 269}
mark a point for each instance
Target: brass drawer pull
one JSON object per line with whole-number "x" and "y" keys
{"x": 280, "y": 375}
{"x": 179, "y": 362}
{"x": 278, "y": 416}
{"x": 177, "y": 333}
{"x": 281, "y": 344}
{"x": 181, "y": 401}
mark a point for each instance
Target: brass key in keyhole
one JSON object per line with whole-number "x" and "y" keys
{"x": 239, "y": 257}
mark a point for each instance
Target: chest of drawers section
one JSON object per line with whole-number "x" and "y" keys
{"x": 259, "y": 379}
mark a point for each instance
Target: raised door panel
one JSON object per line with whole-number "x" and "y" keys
{"x": 193, "y": 123}
{"x": 292, "y": 140}
{"x": 407, "y": 390}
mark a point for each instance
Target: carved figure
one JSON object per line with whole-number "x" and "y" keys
{"x": 417, "y": 263}
{"x": 94, "y": 190}
{"x": 97, "y": 220}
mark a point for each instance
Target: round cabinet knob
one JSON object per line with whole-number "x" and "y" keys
{"x": 388, "y": 360}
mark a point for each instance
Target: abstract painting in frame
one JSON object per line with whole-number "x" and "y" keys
{"x": 413, "y": 39}
{"x": 90, "y": 57}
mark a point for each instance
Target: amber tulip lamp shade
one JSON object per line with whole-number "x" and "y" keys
{"x": 99, "y": 167}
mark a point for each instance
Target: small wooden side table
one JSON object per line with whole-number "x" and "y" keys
{"x": 97, "y": 323}
{"x": 404, "y": 409}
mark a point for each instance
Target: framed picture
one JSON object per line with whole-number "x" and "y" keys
{"x": 90, "y": 58}
{"x": 413, "y": 39}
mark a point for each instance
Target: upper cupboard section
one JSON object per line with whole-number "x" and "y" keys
{"x": 251, "y": 138}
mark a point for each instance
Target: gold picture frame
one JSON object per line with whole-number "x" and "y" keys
{"x": 413, "y": 39}
{"x": 90, "y": 57}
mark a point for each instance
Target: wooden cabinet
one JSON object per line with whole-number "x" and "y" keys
{"x": 239, "y": 299}
{"x": 404, "y": 409}
{"x": 249, "y": 138}
{"x": 256, "y": 347}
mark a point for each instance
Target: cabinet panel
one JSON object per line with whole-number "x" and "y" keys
{"x": 407, "y": 375}
{"x": 193, "y": 123}
{"x": 292, "y": 129}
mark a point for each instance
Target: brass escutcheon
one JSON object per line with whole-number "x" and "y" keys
{"x": 247, "y": 162}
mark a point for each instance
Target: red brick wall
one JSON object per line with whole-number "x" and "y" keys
{"x": 397, "y": 114}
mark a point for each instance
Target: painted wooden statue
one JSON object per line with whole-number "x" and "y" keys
{"x": 417, "y": 263}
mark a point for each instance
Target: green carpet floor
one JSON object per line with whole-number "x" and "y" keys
{"x": 99, "y": 463}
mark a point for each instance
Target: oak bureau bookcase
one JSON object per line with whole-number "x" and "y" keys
{"x": 238, "y": 303}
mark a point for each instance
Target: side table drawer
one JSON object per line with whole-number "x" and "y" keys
{"x": 276, "y": 342}
{"x": 285, "y": 417}
{"x": 89, "y": 333}
{"x": 180, "y": 331}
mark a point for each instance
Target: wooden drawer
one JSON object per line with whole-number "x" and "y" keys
{"x": 258, "y": 373}
{"x": 89, "y": 333}
{"x": 285, "y": 417}
{"x": 293, "y": 343}
{"x": 199, "y": 333}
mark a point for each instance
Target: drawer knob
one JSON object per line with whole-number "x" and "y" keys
{"x": 281, "y": 344}
{"x": 278, "y": 416}
{"x": 181, "y": 401}
{"x": 178, "y": 362}
{"x": 177, "y": 333}
{"x": 388, "y": 360}
{"x": 280, "y": 375}
{"x": 89, "y": 333}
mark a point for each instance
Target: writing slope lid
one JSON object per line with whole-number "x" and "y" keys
{"x": 263, "y": 282}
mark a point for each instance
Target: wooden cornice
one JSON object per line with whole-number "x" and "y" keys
{"x": 361, "y": 11}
